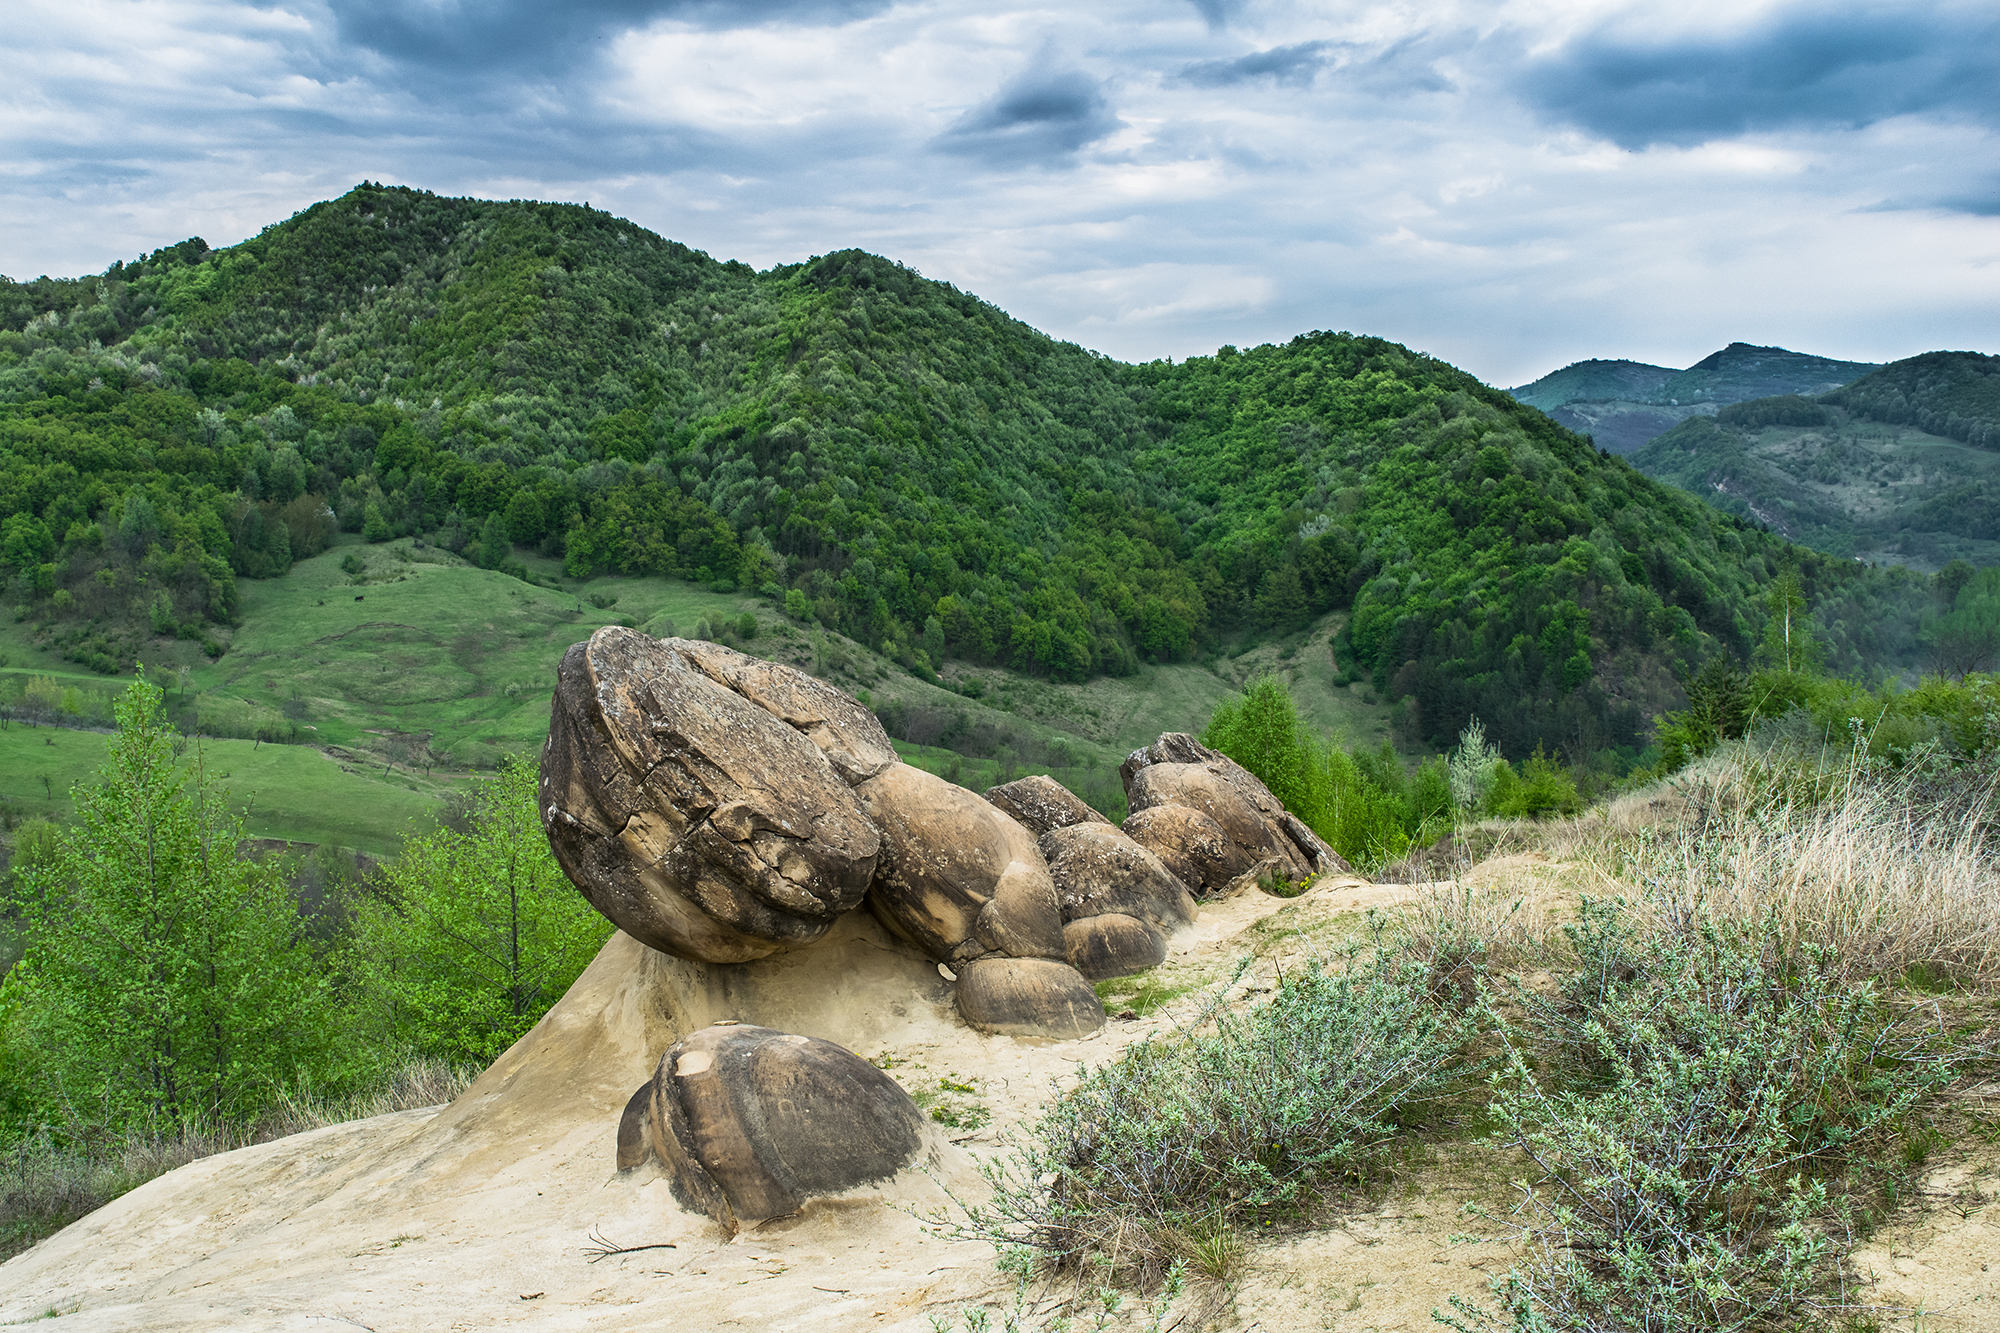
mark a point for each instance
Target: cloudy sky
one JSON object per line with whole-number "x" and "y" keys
{"x": 1511, "y": 186}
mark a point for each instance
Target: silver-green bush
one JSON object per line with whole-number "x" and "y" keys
{"x": 1262, "y": 1113}
{"x": 1686, "y": 1099}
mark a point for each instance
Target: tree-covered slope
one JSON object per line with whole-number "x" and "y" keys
{"x": 882, "y": 453}
{"x": 1594, "y": 380}
{"x": 1840, "y": 481}
{"x": 1953, "y": 394}
{"x": 1624, "y": 404}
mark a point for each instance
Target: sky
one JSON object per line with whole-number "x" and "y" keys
{"x": 1509, "y": 186}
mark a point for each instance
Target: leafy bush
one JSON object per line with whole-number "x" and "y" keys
{"x": 1263, "y": 1114}
{"x": 1361, "y": 801}
{"x": 1713, "y": 1086}
{"x": 1543, "y": 787}
{"x": 472, "y": 935}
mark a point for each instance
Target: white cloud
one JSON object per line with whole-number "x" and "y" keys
{"x": 1510, "y": 186}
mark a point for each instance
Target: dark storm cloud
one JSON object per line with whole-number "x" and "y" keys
{"x": 480, "y": 35}
{"x": 1297, "y": 64}
{"x": 1810, "y": 68}
{"x": 1042, "y": 116}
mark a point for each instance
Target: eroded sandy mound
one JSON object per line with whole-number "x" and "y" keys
{"x": 483, "y": 1214}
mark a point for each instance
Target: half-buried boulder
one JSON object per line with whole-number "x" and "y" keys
{"x": 697, "y": 821}
{"x": 1028, "y": 997}
{"x": 1040, "y": 803}
{"x": 1113, "y": 945}
{"x": 750, "y": 1123}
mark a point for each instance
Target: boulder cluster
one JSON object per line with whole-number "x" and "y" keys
{"x": 721, "y": 808}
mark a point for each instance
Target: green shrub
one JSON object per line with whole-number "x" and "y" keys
{"x": 1262, "y": 1115}
{"x": 1691, "y": 1102}
{"x": 1543, "y": 787}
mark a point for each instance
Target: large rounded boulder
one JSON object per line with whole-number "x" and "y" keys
{"x": 699, "y": 822}
{"x": 1192, "y": 847}
{"x": 968, "y": 886}
{"x": 1179, "y": 770}
{"x": 750, "y": 1123}
{"x": 1096, "y": 869}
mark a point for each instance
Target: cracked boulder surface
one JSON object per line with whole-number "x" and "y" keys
{"x": 1041, "y": 804}
{"x": 702, "y": 820}
{"x": 750, "y": 1123}
{"x": 1179, "y": 770}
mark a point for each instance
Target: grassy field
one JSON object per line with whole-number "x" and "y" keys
{"x": 294, "y": 792}
{"x": 436, "y": 670}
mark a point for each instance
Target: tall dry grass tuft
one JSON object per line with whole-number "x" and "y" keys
{"x": 48, "y": 1181}
{"x": 416, "y": 1083}
{"x": 1900, "y": 879}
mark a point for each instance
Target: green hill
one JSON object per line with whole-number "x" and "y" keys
{"x": 1855, "y": 472}
{"x": 1953, "y": 394}
{"x": 555, "y": 393}
{"x": 1623, "y": 404}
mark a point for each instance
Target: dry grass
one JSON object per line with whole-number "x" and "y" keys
{"x": 47, "y": 1182}
{"x": 1901, "y": 880}
{"x": 1903, "y": 883}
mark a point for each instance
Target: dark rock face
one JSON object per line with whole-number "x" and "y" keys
{"x": 1179, "y": 770}
{"x": 750, "y": 1123}
{"x": 1028, "y": 997}
{"x": 1192, "y": 847}
{"x": 698, "y": 822}
{"x": 1041, "y": 804}
{"x": 1113, "y": 945}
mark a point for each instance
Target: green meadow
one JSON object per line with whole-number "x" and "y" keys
{"x": 375, "y": 691}
{"x": 291, "y": 792}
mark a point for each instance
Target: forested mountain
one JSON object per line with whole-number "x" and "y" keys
{"x": 1623, "y": 404}
{"x": 1903, "y": 464}
{"x": 1953, "y": 394}
{"x": 891, "y": 456}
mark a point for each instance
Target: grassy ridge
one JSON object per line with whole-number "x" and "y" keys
{"x": 291, "y": 792}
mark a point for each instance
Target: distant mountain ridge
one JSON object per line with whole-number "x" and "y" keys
{"x": 1902, "y": 465}
{"x": 1624, "y": 404}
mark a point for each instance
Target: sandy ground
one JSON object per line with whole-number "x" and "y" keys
{"x": 496, "y": 1210}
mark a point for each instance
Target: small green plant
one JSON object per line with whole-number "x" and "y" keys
{"x": 954, "y": 1103}
{"x": 352, "y": 564}
{"x": 601, "y": 601}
